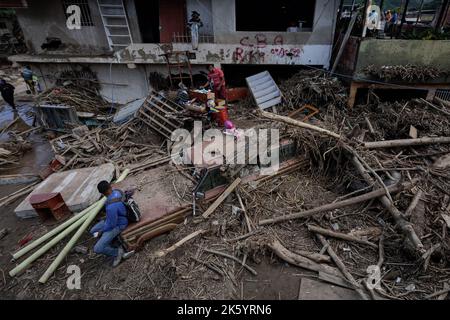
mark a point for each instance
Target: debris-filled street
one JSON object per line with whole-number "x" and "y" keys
{"x": 318, "y": 213}
{"x": 275, "y": 170}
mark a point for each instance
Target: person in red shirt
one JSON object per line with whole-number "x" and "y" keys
{"x": 216, "y": 81}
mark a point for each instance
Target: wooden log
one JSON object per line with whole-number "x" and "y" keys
{"x": 314, "y": 256}
{"x": 339, "y": 235}
{"x": 297, "y": 123}
{"x": 340, "y": 204}
{"x": 342, "y": 267}
{"x": 406, "y": 142}
{"x": 404, "y": 226}
{"x": 221, "y": 198}
{"x": 300, "y": 261}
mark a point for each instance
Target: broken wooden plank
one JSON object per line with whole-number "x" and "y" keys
{"x": 162, "y": 253}
{"x": 221, "y": 198}
{"x": 334, "y": 280}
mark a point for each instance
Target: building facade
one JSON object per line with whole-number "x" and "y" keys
{"x": 123, "y": 41}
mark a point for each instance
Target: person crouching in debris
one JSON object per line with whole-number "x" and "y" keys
{"x": 216, "y": 81}
{"x": 116, "y": 221}
{"x": 7, "y": 91}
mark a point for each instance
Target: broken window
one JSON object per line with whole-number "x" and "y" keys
{"x": 269, "y": 15}
{"x": 86, "y": 19}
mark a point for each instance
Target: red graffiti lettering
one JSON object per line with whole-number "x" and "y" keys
{"x": 285, "y": 52}
{"x": 248, "y": 56}
{"x": 245, "y": 41}
{"x": 261, "y": 40}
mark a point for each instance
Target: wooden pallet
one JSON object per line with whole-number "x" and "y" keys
{"x": 156, "y": 111}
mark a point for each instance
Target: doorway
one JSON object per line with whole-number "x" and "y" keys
{"x": 148, "y": 20}
{"x": 159, "y": 20}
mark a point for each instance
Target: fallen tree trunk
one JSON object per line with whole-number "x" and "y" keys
{"x": 300, "y": 261}
{"x": 406, "y": 142}
{"x": 299, "y": 124}
{"x": 403, "y": 225}
{"x": 339, "y": 235}
{"x": 336, "y": 205}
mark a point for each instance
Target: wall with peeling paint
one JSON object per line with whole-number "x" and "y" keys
{"x": 233, "y": 54}
{"x": 44, "y": 19}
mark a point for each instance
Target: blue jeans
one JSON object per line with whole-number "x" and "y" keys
{"x": 103, "y": 245}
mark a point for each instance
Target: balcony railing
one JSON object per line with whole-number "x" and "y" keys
{"x": 186, "y": 38}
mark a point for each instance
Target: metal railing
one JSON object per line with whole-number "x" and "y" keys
{"x": 186, "y": 38}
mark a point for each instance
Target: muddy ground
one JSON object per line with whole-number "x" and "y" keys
{"x": 176, "y": 276}
{"x": 191, "y": 272}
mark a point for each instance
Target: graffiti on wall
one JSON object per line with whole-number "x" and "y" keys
{"x": 286, "y": 52}
{"x": 251, "y": 49}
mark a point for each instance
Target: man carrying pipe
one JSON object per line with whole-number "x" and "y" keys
{"x": 116, "y": 221}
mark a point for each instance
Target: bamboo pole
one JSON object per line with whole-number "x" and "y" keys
{"x": 50, "y": 234}
{"x": 90, "y": 217}
{"x": 27, "y": 262}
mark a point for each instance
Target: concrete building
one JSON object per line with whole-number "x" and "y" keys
{"x": 123, "y": 40}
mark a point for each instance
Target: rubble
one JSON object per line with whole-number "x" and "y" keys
{"x": 408, "y": 73}
{"x": 357, "y": 203}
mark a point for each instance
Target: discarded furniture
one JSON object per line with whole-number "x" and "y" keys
{"x": 57, "y": 163}
{"x": 78, "y": 188}
{"x": 264, "y": 90}
{"x": 430, "y": 88}
{"x": 155, "y": 113}
{"x": 57, "y": 117}
{"x": 49, "y": 206}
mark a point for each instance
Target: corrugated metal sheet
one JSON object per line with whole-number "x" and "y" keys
{"x": 264, "y": 90}
{"x": 127, "y": 111}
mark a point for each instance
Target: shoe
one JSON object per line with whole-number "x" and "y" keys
{"x": 119, "y": 257}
